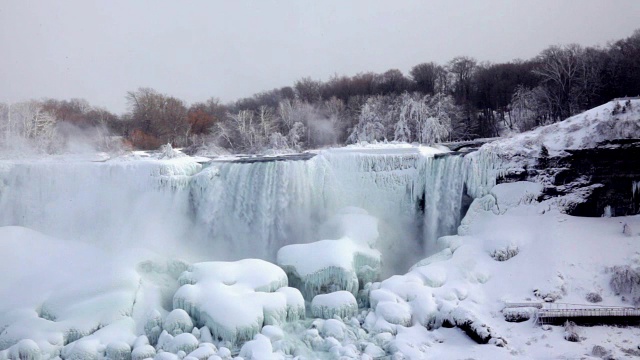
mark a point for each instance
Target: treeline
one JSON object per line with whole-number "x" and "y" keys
{"x": 462, "y": 99}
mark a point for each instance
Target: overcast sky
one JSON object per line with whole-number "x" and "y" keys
{"x": 194, "y": 50}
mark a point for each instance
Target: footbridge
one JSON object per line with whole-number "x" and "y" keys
{"x": 559, "y": 313}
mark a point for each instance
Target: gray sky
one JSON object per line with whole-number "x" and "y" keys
{"x": 194, "y": 50}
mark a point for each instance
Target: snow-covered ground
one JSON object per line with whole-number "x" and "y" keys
{"x": 122, "y": 258}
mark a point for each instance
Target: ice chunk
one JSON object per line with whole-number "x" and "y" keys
{"x": 257, "y": 349}
{"x": 374, "y": 351}
{"x": 333, "y": 328}
{"x": 83, "y": 350}
{"x": 224, "y": 353}
{"x": 178, "y": 322}
{"x": 295, "y": 303}
{"x": 143, "y": 352}
{"x": 26, "y": 349}
{"x": 183, "y": 342}
{"x": 118, "y": 350}
{"x": 203, "y": 352}
{"x": 340, "y": 303}
{"x": 205, "y": 335}
{"x": 166, "y": 356}
{"x": 274, "y": 333}
{"x": 235, "y": 299}
{"x": 153, "y": 326}
{"x": 141, "y": 340}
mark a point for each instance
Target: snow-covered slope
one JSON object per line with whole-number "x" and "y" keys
{"x": 571, "y": 158}
{"x": 618, "y": 119}
{"x": 513, "y": 250}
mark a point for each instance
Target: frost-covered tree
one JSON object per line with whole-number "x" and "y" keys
{"x": 29, "y": 122}
{"x": 528, "y": 108}
{"x": 437, "y": 124}
{"x": 370, "y": 122}
{"x": 402, "y": 130}
{"x": 296, "y": 135}
{"x": 278, "y": 141}
{"x": 430, "y": 116}
{"x": 287, "y": 114}
{"x": 265, "y": 120}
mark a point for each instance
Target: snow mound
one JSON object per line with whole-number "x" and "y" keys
{"x": 74, "y": 290}
{"x": 143, "y": 352}
{"x": 340, "y": 303}
{"x": 510, "y": 195}
{"x": 258, "y": 349}
{"x": 235, "y": 299}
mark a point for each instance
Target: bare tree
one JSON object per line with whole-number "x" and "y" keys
{"x": 568, "y": 77}
{"x": 427, "y": 76}
{"x": 158, "y": 118}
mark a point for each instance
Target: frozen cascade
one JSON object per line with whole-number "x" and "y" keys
{"x": 253, "y": 209}
{"x": 444, "y": 188}
{"x": 246, "y": 209}
{"x": 249, "y": 208}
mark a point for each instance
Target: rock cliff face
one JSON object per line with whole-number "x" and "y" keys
{"x": 603, "y": 177}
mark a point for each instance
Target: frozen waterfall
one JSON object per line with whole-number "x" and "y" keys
{"x": 236, "y": 210}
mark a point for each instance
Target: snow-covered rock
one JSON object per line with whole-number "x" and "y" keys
{"x": 26, "y": 349}
{"x": 257, "y": 349}
{"x": 340, "y": 303}
{"x": 118, "y": 350}
{"x": 332, "y": 265}
{"x": 203, "y": 352}
{"x": 177, "y": 322}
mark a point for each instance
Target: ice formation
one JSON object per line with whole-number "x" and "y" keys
{"x": 177, "y": 322}
{"x": 340, "y": 303}
{"x": 235, "y": 299}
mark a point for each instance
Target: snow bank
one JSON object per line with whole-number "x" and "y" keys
{"x": 73, "y": 290}
{"x": 235, "y": 299}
